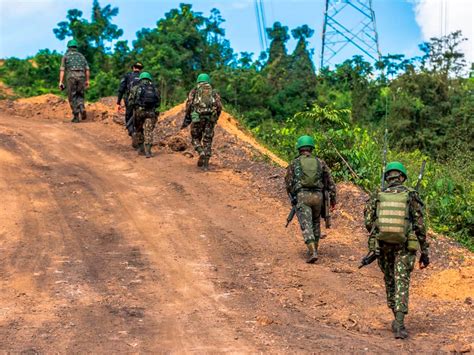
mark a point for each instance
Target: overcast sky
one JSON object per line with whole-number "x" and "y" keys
{"x": 26, "y": 25}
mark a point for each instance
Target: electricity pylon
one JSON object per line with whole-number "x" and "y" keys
{"x": 349, "y": 23}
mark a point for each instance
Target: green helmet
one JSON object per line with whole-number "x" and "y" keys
{"x": 72, "y": 43}
{"x": 203, "y": 77}
{"x": 145, "y": 75}
{"x": 305, "y": 141}
{"x": 397, "y": 166}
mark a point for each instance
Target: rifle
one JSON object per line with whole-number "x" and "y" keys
{"x": 368, "y": 259}
{"x": 292, "y": 213}
{"x": 327, "y": 211}
{"x": 420, "y": 175}
{"x": 187, "y": 120}
{"x": 130, "y": 126}
{"x": 372, "y": 255}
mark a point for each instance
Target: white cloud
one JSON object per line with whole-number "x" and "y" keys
{"x": 440, "y": 17}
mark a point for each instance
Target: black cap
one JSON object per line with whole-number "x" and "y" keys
{"x": 137, "y": 65}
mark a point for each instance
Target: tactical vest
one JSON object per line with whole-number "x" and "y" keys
{"x": 393, "y": 217}
{"x": 75, "y": 61}
{"x": 308, "y": 174}
{"x": 204, "y": 101}
{"x": 148, "y": 97}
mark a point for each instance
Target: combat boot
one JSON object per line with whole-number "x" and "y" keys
{"x": 312, "y": 253}
{"x": 201, "y": 160}
{"x": 205, "y": 164}
{"x": 84, "y": 115}
{"x": 141, "y": 149}
{"x": 148, "y": 151}
{"x": 398, "y": 326}
{"x": 75, "y": 119}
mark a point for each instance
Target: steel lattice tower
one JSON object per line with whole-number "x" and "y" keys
{"x": 349, "y": 23}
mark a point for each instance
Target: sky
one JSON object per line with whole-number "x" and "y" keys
{"x": 26, "y": 25}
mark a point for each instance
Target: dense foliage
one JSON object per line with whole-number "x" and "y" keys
{"x": 426, "y": 103}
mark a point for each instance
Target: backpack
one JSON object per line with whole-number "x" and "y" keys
{"x": 393, "y": 217}
{"x": 75, "y": 61}
{"x": 204, "y": 101}
{"x": 148, "y": 98}
{"x": 308, "y": 173}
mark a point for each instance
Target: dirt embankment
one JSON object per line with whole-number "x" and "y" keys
{"x": 103, "y": 250}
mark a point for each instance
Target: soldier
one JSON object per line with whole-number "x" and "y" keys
{"x": 128, "y": 81}
{"x": 77, "y": 74}
{"x": 144, "y": 100}
{"x": 203, "y": 108}
{"x": 307, "y": 177}
{"x": 391, "y": 217}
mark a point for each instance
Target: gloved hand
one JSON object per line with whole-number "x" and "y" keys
{"x": 424, "y": 260}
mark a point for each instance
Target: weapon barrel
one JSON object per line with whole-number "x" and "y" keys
{"x": 420, "y": 176}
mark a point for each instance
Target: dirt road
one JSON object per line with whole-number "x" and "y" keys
{"x": 102, "y": 250}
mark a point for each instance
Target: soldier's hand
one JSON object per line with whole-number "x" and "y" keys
{"x": 87, "y": 84}
{"x": 424, "y": 260}
{"x": 61, "y": 86}
{"x": 332, "y": 207}
{"x": 119, "y": 108}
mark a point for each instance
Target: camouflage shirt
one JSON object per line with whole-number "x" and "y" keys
{"x": 74, "y": 63}
{"x": 328, "y": 182}
{"x": 416, "y": 208}
{"x": 190, "y": 100}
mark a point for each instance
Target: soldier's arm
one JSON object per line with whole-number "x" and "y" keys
{"x": 328, "y": 181}
{"x": 88, "y": 73}
{"x": 370, "y": 212}
{"x": 289, "y": 177}
{"x": 133, "y": 97}
{"x": 418, "y": 222}
{"x": 61, "y": 71}
{"x": 189, "y": 102}
{"x": 122, "y": 88}
{"x": 218, "y": 104}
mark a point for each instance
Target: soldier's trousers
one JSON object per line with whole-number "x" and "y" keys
{"x": 308, "y": 211}
{"x": 144, "y": 122}
{"x": 128, "y": 117}
{"x": 397, "y": 264}
{"x": 75, "y": 93}
{"x": 202, "y": 133}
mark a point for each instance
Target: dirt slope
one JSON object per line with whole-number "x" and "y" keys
{"x": 102, "y": 250}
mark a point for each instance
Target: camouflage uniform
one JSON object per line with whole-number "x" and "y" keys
{"x": 128, "y": 81}
{"x": 310, "y": 201}
{"x": 144, "y": 119}
{"x": 396, "y": 261}
{"x": 202, "y": 127}
{"x": 75, "y": 65}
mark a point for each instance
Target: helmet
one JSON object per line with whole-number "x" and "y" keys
{"x": 145, "y": 75}
{"x": 72, "y": 43}
{"x": 137, "y": 65}
{"x": 203, "y": 78}
{"x": 397, "y": 166}
{"x": 305, "y": 141}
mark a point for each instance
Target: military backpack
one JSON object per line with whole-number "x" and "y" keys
{"x": 204, "y": 102}
{"x": 148, "y": 97}
{"x": 393, "y": 217}
{"x": 308, "y": 173}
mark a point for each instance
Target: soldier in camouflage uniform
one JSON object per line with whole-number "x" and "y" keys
{"x": 145, "y": 100}
{"x": 203, "y": 108}
{"x": 307, "y": 177}
{"x": 128, "y": 81}
{"x": 396, "y": 260}
{"x": 75, "y": 66}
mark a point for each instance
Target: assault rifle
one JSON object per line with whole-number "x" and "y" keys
{"x": 420, "y": 175}
{"x": 130, "y": 126}
{"x": 327, "y": 212}
{"x": 292, "y": 213}
{"x": 384, "y": 163}
{"x": 368, "y": 259}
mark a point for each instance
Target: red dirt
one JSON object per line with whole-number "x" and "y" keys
{"x": 105, "y": 251}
